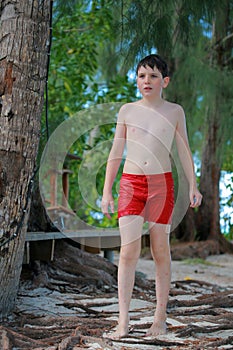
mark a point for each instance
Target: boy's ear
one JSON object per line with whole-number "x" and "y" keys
{"x": 166, "y": 81}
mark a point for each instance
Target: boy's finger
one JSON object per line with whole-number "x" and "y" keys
{"x": 195, "y": 202}
{"x": 107, "y": 215}
{"x": 112, "y": 206}
{"x": 105, "y": 206}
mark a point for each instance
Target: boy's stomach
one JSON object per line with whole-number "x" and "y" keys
{"x": 147, "y": 156}
{"x": 147, "y": 165}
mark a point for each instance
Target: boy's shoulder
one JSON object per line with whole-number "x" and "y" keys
{"x": 174, "y": 106}
{"x": 125, "y": 108}
{"x": 169, "y": 104}
{"x": 128, "y": 105}
{"x": 171, "y": 109}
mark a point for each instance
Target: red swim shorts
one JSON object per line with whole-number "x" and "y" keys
{"x": 150, "y": 196}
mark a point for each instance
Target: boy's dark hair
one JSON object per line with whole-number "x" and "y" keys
{"x": 154, "y": 61}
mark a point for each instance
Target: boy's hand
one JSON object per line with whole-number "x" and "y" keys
{"x": 105, "y": 204}
{"x": 195, "y": 198}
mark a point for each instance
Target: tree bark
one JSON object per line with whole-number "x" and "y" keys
{"x": 24, "y": 43}
{"x": 186, "y": 231}
{"x": 208, "y": 223}
{"x": 38, "y": 219}
{"x": 208, "y": 214}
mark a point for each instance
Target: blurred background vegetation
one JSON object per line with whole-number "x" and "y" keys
{"x": 95, "y": 48}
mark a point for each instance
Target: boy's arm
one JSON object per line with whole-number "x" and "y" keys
{"x": 113, "y": 163}
{"x": 186, "y": 159}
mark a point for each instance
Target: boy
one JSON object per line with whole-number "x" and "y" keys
{"x": 148, "y": 128}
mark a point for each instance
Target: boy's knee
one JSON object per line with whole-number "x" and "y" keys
{"x": 161, "y": 255}
{"x": 129, "y": 254}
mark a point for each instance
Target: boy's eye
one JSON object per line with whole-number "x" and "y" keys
{"x": 152, "y": 76}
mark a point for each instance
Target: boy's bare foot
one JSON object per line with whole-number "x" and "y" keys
{"x": 122, "y": 330}
{"x": 119, "y": 333}
{"x": 157, "y": 328}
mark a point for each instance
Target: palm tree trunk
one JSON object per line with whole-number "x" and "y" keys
{"x": 23, "y": 65}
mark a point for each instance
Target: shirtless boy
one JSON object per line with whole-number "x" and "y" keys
{"x": 147, "y": 128}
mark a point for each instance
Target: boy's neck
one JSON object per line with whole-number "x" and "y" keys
{"x": 153, "y": 103}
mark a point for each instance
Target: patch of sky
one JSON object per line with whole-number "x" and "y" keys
{"x": 62, "y": 69}
{"x": 199, "y": 101}
{"x": 226, "y": 194}
{"x": 197, "y": 164}
{"x": 207, "y": 28}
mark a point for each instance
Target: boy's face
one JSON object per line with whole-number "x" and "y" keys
{"x": 151, "y": 82}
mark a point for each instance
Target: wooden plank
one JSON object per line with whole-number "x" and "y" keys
{"x": 41, "y": 236}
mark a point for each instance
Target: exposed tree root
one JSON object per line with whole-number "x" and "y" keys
{"x": 70, "y": 303}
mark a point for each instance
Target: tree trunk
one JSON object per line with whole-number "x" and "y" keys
{"x": 208, "y": 223}
{"x": 208, "y": 214}
{"x": 186, "y": 231}
{"x": 38, "y": 219}
{"x": 23, "y": 66}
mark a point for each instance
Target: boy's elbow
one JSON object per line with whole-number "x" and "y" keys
{"x": 115, "y": 154}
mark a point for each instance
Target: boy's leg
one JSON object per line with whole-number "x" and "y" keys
{"x": 160, "y": 249}
{"x": 130, "y": 230}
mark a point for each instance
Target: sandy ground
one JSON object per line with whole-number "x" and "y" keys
{"x": 216, "y": 269}
{"x": 191, "y": 324}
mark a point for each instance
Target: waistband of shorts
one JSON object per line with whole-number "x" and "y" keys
{"x": 167, "y": 175}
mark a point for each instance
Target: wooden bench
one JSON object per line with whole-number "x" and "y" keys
{"x": 104, "y": 239}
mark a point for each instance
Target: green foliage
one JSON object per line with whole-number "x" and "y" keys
{"x": 198, "y": 261}
{"x": 228, "y": 157}
{"x": 229, "y": 235}
{"x": 73, "y": 80}
{"x": 94, "y": 46}
{"x": 118, "y": 90}
{"x": 77, "y": 80}
{"x": 196, "y": 40}
{"x": 227, "y": 217}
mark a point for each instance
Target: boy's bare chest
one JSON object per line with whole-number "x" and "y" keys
{"x": 150, "y": 125}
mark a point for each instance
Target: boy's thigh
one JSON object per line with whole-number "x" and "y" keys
{"x": 159, "y": 208}
{"x": 130, "y": 228}
{"x": 160, "y": 202}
